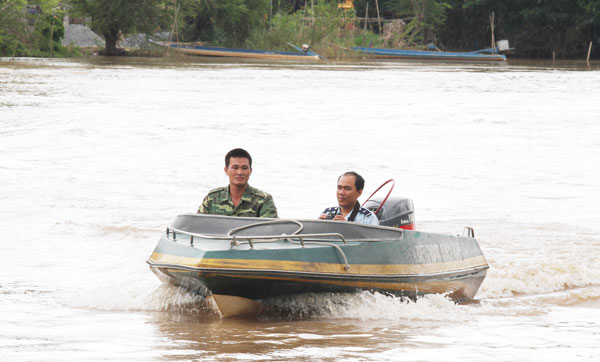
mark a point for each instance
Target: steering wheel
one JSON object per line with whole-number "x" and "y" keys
{"x": 386, "y": 196}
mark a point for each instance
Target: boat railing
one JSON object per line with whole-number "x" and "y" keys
{"x": 469, "y": 232}
{"x": 254, "y": 239}
{"x": 294, "y": 238}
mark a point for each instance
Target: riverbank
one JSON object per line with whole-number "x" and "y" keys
{"x": 90, "y": 43}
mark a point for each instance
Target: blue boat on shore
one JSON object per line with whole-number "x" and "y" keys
{"x": 474, "y": 56}
{"x": 202, "y": 50}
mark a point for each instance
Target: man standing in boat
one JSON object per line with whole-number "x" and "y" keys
{"x": 349, "y": 188}
{"x": 239, "y": 198}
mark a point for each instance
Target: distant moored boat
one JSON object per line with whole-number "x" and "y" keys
{"x": 210, "y": 51}
{"x": 484, "y": 55}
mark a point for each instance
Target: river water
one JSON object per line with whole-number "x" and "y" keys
{"x": 98, "y": 156}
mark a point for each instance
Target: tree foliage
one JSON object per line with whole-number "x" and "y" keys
{"x": 115, "y": 18}
{"x": 534, "y": 27}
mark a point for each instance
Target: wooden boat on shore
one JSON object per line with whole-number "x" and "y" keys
{"x": 202, "y": 50}
{"x": 250, "y": 258}
{"x": 475, "y": 56}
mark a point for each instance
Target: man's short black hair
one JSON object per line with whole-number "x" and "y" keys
{"x": 238, "y": 152}
{"x": 359, "y": 181}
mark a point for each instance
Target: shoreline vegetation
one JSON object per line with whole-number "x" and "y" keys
{"x": 536, "y": 29}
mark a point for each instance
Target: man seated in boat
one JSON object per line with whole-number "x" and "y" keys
{"x": 349, "y": 188}
{"x": 239, "y": 198}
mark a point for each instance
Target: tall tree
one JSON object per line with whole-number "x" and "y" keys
{"x": 119, "y": 17}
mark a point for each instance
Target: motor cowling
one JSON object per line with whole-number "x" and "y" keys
{"x": 398, "y": 212}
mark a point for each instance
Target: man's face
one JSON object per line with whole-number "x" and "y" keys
{"x": 347, "y": 194}
{"x": 238, "y": 171}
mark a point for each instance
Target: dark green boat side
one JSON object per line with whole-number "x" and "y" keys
{"x": 261, "y": 258}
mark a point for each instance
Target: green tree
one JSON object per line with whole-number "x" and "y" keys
{"x": 119, "y": 17}
{"x": 543, "y": 26}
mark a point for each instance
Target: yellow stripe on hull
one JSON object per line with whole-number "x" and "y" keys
{"x": 312, "y": 267}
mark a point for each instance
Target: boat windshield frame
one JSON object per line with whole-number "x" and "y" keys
{"x": 235, "y": 229}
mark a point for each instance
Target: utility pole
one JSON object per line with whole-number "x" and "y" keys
{"x": 366, "y": 15}
{"x": 378, "y": 17}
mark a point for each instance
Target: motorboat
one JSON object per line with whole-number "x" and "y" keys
{"x": 253, "y": 259}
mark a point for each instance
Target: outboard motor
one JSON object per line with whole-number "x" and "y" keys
{"x": 397, "y": 212}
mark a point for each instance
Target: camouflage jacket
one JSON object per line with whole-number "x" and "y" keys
{"x": 254, "y": 203}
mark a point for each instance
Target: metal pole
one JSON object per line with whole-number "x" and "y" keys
{"x": 175, "y": 22}
{"x": 492, "y": 22}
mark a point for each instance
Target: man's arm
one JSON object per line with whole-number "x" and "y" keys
{"x": 268, "y": 209}
{"x": 204, "y": 207}
{"x": 372, "y": 219}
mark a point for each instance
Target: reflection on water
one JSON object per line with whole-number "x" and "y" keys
{"x": 98, "y": 155}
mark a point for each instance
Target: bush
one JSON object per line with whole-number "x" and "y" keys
{"x": 330, "y": 31}
{"x": 33, "y": 35}
{"x": 11, "y": 46}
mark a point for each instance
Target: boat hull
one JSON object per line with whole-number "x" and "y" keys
{"x": 460, "y": 286}
{"x": 398, "y": 262}
{"x": 430, "y": 55}
{"x": 236, "y": 53}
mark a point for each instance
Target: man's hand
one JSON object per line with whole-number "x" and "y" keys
{"x": 337, "y": 217}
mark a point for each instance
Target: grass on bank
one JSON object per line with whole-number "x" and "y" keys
{"x": 330, "y": 31}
